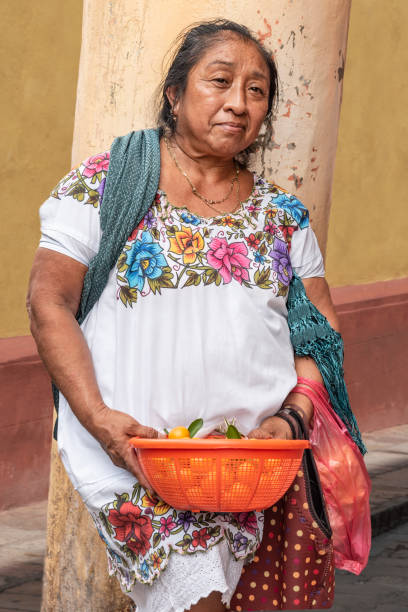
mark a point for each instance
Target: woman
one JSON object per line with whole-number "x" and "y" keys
{"x": 192, "y": 322}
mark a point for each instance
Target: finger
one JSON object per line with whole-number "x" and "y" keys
{"x": 133, "y": 465}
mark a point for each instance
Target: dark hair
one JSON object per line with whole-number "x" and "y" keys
{"x": 192, "y": 44}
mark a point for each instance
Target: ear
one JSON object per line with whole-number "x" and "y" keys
{"x": 171, "y": 93}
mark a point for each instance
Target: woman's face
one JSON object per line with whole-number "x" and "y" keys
{"x": 226, "y": 99}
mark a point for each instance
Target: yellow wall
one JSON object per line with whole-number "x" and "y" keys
{"x": 39, "y": 55}
{"x": 368, "y": 228}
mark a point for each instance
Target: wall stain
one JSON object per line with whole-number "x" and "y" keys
{"x": 288, "y": 105}
{"x": 298, "y": 180}
{"x": 263, "y": 35}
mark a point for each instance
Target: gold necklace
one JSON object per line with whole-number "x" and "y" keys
{"x": 207, "y": 201}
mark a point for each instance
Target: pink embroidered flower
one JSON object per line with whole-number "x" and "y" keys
{"x": 229, "y": 259}
{"x": 247, "y": 520}
{"x": 167, "y": 524}
{"x": 96, "y": 163}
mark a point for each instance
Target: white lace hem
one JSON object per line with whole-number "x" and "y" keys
{"x": 187, "y": 579}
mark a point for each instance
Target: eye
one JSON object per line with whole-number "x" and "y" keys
{"x": 220, "y": 81}
{"x": 257, "y": 90}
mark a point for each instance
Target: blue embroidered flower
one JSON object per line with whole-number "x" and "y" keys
{"x": 294, "y": 207}
{"x": 190, "y": 218}
{"x": 144, "y": 259}
{"x": 144, "y": 570}
{"x": 281, "y": 261}
{"x": 185, "y": 518}
{"x": 259, "y": 258}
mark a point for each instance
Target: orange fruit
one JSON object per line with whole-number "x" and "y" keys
{"x": 247, "y": 471}
{"x": 209, "y": 481}
{"x": 271, "y": 464}
{"x": 179, "y": 432}
{"x": 201, "y": 465}
{"x": 239, "y": 492}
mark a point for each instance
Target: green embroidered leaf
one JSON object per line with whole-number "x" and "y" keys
{"x": 155, "y": 233}
{"x": 214, "y": 531}
{"x": 210, "y": 276}
{"x": 122, "y": 265}
{"x": 106, "y": 523}
{"x": 128, "y": 295}
{"x": 218, "y": 279}
{"x": 78, "y": 192}
{"x": 93, "y": 198}
{"x": 261, "y": 278}
{"x": 154, "y": 284}
{"x": 165, "y": 279}
{"x": 263, "y": 249}
{"x": 193, "y": 279}
{"x": 283, "y": 289}
{"x": 156, "y": 539}
{"x": 185, "y": 542}
{"x": 121, "y": 279}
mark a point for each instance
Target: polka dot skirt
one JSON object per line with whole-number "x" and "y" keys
{"x": 294, "y": 568}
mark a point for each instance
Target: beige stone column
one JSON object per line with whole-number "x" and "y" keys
{"x": 123, "y": 44}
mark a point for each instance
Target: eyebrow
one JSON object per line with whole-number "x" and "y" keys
{"x": 255, "y": 73}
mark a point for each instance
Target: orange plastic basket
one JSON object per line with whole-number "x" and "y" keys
{"x": 220, "y": 475}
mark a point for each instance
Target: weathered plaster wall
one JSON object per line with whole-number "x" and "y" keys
{"x": 39, "y": 55}
{"x": 369, "y": 220}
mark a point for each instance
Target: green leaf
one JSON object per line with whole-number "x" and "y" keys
{"x": 214, "y": 531}
{"x": 263, "y": 249}
{"x": 155, "y": 233}
{"x": 210, "y": 276}
{"x": 195, "y": 427}
{"x": 233, "y": 433}
{"x": 156, "y": 539}
{"x": 192, "y": 279}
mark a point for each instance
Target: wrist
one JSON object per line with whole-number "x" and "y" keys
{"x": 302, "y": 404}
{"x": 95, "y": 420}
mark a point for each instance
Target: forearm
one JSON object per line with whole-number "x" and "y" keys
{"x": 67, "y": 358}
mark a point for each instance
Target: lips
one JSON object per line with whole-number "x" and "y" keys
{"x": 230, "y": 126}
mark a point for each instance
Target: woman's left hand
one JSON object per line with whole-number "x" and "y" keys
{"x": 272, "y": 427}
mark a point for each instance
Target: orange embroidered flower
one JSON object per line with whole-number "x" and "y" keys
{"x": 159, "y": 506}
{"x": 187, "y": 244}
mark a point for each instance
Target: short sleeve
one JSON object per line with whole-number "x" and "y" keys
{"x": 305, "y": 254}
{"x": 70, "y": 222}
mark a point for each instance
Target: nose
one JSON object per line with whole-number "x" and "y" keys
{"x": 235, "y": 100}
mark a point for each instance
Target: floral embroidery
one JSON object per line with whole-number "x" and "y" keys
{"x": 96, "y": 165}
{"x": 229, "y": 259}
{"x": 86, "y": 183}
{"x": 172, "y": 248}
{"x": 144, "y": 259}
{"x": 281, "y": 261}
{"x": 131, "y": 527}
{"x": 187, "y": 244}
{"x": 141, "y": 531}
{"x": 294, "y": 207}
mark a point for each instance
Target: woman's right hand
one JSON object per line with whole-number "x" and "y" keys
{"x": 113, "y": 430}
